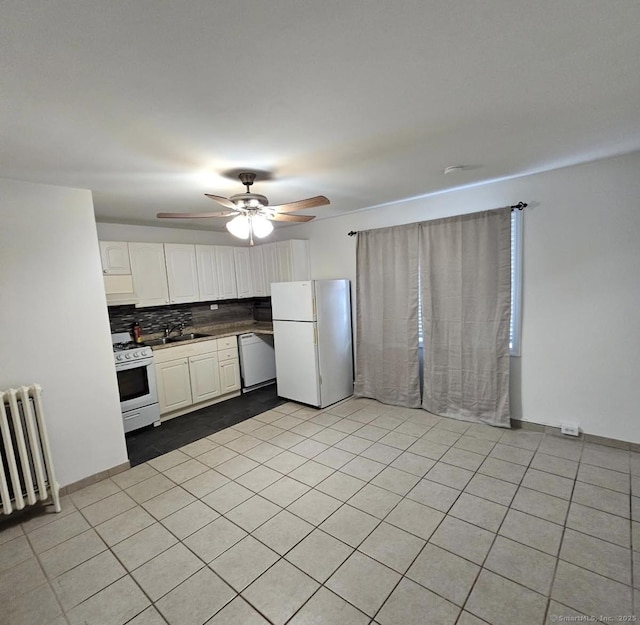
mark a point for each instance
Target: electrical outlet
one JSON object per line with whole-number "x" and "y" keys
{"x": 570, "y": 429}
{"x": 213, "y": 307}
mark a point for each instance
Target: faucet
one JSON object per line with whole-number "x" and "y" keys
{"x": 168, "y": 331}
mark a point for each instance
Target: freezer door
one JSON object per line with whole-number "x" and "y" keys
{"x": 297, "y": 361}
{"x": 293, "y": 301}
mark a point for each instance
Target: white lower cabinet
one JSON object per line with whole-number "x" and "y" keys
{"x": 205, "y": 377}
{"x": 174, "y": 385}
{"x": 230, "y": 376}
{"x": 195, "y": 375}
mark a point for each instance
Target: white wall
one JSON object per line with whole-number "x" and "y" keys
{"x": 581, "y": 312}
{"x": 54, "y": 325}
{"x": 152, "y": 234}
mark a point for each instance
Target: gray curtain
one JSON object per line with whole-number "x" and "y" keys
{"x": 465, "y": 276}
{"x": 387, "y": 316}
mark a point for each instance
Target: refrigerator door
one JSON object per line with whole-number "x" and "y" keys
{"x": 297, "y": 361}
{"x": 335, "y": 351}
{"x": 293, "y": 301}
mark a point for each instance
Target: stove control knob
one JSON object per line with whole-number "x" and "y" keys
{"x": 127, "y": 356}
{"x": 119, "y": 357}
{"x": 136, "y": 355}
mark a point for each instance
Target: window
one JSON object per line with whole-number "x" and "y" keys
{"x": 515, "y": 322}
{"x": 516, "y": 283}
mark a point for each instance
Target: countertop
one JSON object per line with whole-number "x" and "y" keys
{"x": 215, "y": 332}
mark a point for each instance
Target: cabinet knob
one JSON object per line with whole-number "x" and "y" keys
{"x": 104, "y": 271}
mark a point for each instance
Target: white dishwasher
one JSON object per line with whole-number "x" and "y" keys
{"x": 257, "y": 360}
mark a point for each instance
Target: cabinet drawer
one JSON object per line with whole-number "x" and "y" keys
{"x": 227, "y": 354}
{"x": 227, "y": 342}
{"x": 184, "y": 351}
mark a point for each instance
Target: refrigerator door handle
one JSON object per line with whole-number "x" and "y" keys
{"x": 315, "y": 335}
{"x": 313, "y": 304}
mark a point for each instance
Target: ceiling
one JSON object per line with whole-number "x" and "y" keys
{"x": 149, "y": 103}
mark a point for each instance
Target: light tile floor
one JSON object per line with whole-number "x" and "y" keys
{"x": 359, "y": 514}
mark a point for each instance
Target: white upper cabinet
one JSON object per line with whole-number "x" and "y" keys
{"x": 225, "y": 260}
{"x": 156, "y": 274}
{"x": 182, "y": 274}
{"x": 271, "y": 265}
{"x": 293, "y": 258}
{"x": 244, "y": 275}
{"x": 115, "y": 258}
{"x": 216, "y": 272}
{"x": 149, "y": 273}
{"x": 207, "y": 272}
{"x": 257, "y": 271}
{"x": 285, "y": 261}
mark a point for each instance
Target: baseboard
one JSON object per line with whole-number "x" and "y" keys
{"x": 92, "y": 479}
{"x": 194, "y": 407}
{"x": 516, "y": 424}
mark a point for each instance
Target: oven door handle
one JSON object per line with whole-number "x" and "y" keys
{"x": 134, "y": 364}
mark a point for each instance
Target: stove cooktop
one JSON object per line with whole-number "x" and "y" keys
{"x": 120, "y": 347}
{"x": 122, "y": 342}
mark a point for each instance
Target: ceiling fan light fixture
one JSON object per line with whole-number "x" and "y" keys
{"x": 239, "y": 227}
{"x": 261, "y": 226}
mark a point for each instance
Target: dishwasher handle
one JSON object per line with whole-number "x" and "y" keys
{"x": 247, "y": 338}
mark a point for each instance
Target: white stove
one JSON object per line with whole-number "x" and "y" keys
{"x": 124, "y": 351}
{"x": 136, "y": 382}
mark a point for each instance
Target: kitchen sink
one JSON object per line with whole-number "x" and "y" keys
{"x": 175, "y": 339}
{"x": 154, "y": 342}
{"x": 186, "y": 337}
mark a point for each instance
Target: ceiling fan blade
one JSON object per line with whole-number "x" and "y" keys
{"x": 222, "y": 200}
{"x": 310, "y": 202}
{"x": 196, "y": 215}
{"x": 282, "y": 217}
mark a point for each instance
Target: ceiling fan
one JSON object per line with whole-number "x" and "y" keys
{"x": 251, "y": 211}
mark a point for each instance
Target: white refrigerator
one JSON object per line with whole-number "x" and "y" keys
{"x": 312, "y": 341}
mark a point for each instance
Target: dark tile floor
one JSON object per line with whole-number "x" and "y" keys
{"x": 151, "y": 442}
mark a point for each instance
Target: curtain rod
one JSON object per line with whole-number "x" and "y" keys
{"x": 519, "y": 206}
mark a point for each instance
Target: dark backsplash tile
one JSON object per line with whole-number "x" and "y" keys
{"x": 226, "y": 313}
{"x": 155, "y": 318}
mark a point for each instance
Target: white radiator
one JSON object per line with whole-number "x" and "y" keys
{"x": 26, "y": 474}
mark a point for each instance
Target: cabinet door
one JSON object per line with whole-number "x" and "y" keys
{"x": 205, "y": 377}
{"x": 149, "y": 273}
{"x": 174, "y": 386}
{"x": 300, "y": 262}
{"x": 226, "y": 266}
{"x": 208, "y": 282}
{"x": 257, "y": 271}
{"x": 229, "y": 376}
{"x": 285, "y": 261}
{"x": 182, "y": 275}
{"x": 244, "y": 278}
{"x": 271, "y": 270}
{"x": 115, "y": 258}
